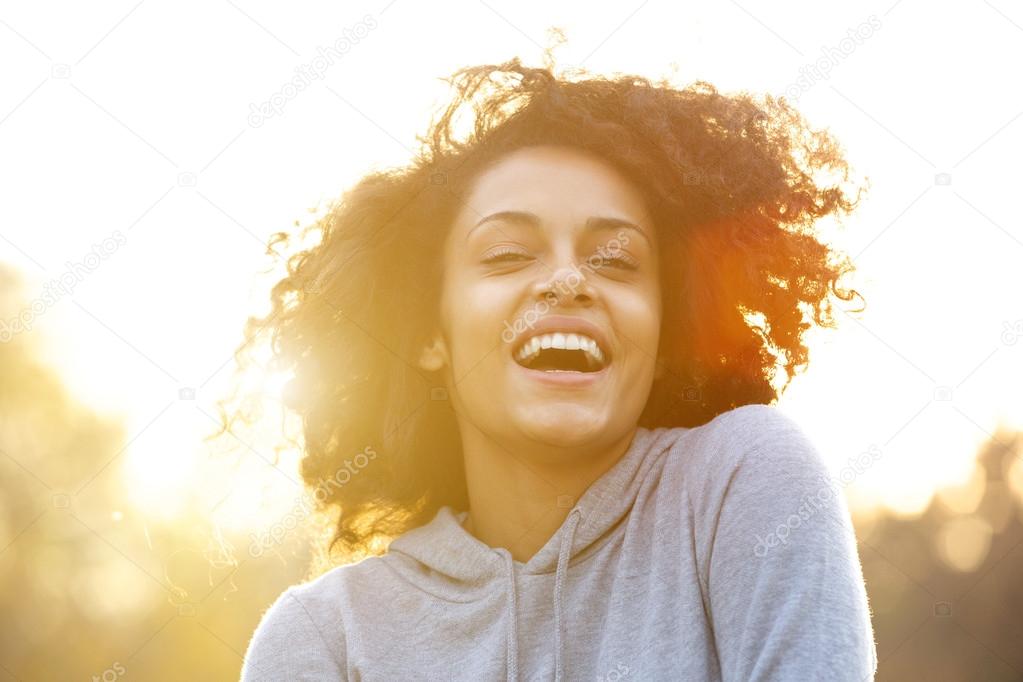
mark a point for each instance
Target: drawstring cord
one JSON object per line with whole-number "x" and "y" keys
{"x": 559, "y": 580}
{"x": 513, "y": 631}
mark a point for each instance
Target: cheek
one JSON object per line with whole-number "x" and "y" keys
{"x": 476, "y": 312}
{"x": 641, "y": 312}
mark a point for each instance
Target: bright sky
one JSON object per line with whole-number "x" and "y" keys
{"x": 135, "y": 119}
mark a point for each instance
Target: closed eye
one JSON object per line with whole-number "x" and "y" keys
{"x": 620, "y": 261}
{"x": 505, "y": 257}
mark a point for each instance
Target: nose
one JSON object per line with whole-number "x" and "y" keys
{"x": 569, "y": 285}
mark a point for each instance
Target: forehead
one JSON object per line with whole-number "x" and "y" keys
{"x": 556, "y": 182}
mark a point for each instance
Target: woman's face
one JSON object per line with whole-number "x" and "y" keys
{"x": 552, "y": 247}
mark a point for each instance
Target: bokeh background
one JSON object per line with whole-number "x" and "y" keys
{"x": 149, "y": 150}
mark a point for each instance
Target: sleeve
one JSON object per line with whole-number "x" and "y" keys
{"x": 786, "y": 590}
{"x": 288, "y": 645}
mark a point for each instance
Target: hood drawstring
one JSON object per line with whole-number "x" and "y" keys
{"x": 559, "y": 580}
{"x": 513, "y": 627}
{"x": 444, "y": 559}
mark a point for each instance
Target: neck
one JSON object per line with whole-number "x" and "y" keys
{"x": 518, "y": 501}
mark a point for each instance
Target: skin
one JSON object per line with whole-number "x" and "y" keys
{"x": 531, "y": 449}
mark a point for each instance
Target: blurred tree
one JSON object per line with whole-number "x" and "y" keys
{"x": 89, "y": 587}
{"x": 946, "y": 588}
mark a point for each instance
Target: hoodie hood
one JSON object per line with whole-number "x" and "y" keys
{"x": 444, "y": 559}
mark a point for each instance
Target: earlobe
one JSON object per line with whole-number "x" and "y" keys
{"x": 433, "y": 356}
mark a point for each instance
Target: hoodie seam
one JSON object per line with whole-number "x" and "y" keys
{"x": 424, "y": 590}
{"x": 703, "y": 583}
{"x": 319, "y": 632}
{"x": 717, "y": 520}
{"x": 646, "y": 464}
{"x": 644, "y": 472}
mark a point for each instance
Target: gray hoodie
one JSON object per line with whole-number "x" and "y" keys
{"x": 721, "y": 552}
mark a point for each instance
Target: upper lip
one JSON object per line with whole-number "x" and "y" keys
{"x": 571, "y": 325}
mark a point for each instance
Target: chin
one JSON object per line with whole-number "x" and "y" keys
{"x": 564, "y": 425}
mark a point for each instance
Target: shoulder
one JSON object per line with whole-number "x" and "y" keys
{"x": 754, "y": 459}
{"x": 748, "y": 471}
{"x": 301, "y": 635}
{"x": 745, "y": 439}
{"x": 751, "y": 427}
{"x": 772, "y": 534}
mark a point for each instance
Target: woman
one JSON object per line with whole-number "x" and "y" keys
{"x": 542, "y": 334}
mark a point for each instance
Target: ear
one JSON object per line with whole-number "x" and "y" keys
{"x": 434, "y": 355}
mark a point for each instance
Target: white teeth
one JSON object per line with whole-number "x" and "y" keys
{"x": 561, "y": 340}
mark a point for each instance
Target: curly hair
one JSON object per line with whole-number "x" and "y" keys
{"x": 732, "y": 184}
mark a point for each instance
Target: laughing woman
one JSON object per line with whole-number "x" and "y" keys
{"x": 547, "y": 333}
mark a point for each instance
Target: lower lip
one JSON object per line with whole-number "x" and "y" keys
{"x": 564, "y": 379}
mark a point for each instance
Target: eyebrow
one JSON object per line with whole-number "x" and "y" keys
{"x": 593, "y": 223}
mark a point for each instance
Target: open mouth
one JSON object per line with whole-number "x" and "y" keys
{"x": 561, "y": 352}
